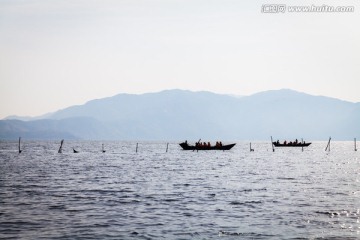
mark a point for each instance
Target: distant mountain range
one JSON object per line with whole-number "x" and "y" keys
{"x": 180, "y": 115}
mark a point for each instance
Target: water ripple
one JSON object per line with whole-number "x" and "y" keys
{"x": 121, "y": 194}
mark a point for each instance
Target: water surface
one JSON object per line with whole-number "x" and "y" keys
{"x": 154, "y": 194}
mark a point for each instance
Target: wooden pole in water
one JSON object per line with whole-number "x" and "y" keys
{"x": 328, "y": 145}
{"x": 61, "y": 144}
{"x": 19, "y": 144}
{"x": 272, "y": 144}
{"x": 302, "y": 147}
{"x": 103, "y": 148}
{"x": 167, "y": 147}
{"x": 137, "y": 146}
{"x": 355, "y": 144}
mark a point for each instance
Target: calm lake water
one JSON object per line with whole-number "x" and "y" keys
{"x": 151, "y": 194}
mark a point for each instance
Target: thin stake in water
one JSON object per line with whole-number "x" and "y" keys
{"x": 355, "y": 144}
{"x": 61, "y": 144}
{"x": 328, "y": 145}
{"x": 19, "y": 145}
{"x": 103, "y": 150}
{"x": 302, "y": 147}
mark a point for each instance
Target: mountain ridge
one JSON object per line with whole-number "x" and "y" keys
{"x": 182, "y": 114}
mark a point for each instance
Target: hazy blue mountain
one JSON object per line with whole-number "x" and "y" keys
{"x": 27, "y": 118}
{"x": 180, "y": 115}
{"x": 69, "y": 128}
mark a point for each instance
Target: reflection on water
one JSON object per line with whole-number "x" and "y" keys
{"x": 180, "y": 194}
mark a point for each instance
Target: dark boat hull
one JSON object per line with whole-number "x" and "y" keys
{"x": 185, "y": 146}
{"x": 292, "y": 145}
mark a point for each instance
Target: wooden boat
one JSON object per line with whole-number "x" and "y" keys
{"x": 276, "y": 144}
{"x": 186, "y": 146}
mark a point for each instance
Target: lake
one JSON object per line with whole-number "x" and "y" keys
{"x": 154, "y": 194}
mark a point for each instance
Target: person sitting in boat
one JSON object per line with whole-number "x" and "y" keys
{"x": 209, "y": 145}
{"x": 204, "y": 144}
{"x": 220, "y": 144}
{"x": 186, "y": 142}
{"x": 217, "y": 144}
{"x": 277, "y": 142}
{"x": 285, "y": 142}
{"x": 296, "y": 142}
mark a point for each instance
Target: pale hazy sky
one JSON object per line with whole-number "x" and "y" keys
{"x": 54, "y": 54}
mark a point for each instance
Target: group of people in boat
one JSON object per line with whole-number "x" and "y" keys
{"x": 206, "y": 145}
{"x": 294, "y": 143}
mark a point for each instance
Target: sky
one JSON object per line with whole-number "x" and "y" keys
{"x": 55, "y": 54}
